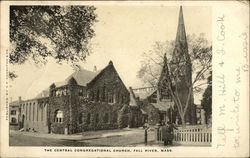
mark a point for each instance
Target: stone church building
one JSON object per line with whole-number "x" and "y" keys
{"x": 84, "y": 101}
{"x": 157, "y": 101}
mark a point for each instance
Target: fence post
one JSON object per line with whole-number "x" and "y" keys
{"x": 146, "y": 136}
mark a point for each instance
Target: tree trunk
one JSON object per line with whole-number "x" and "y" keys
{"x": 183, "y": 122}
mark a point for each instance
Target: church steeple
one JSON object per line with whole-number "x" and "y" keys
{"x": 181, "y": 46}
{"x": 182, "y": 68}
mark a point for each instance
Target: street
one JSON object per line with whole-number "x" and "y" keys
{"x": 117, "y": 137}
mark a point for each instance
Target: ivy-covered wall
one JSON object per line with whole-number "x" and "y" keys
{"x": 97, "y": 116}
{"x": 59, "y": 103}
{"x": 94, "y": 111}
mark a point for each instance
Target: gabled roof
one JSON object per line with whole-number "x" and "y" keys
{"x": 143, "y": 93}
{"x": 110, "y": 65}
{"x": 164, "y": 71}
{"x": 99, "y": 73}
{"x": 82, "y": 77}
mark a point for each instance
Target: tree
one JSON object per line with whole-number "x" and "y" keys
{"x": 199, "y": 59}
{"x": 206, "y": 101}
{"x": 61, "y": 32}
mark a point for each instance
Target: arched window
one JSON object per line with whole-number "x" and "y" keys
{"x": 59, "y": 116}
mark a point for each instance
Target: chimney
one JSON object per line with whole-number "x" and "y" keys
{"x": 19, "y": 98}
{"x": 10, "y": 99}
{"x": 95, "y": 69}
{"x": 110, "y": 62}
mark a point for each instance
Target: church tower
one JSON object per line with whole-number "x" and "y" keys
{"x": 182, "y": 69}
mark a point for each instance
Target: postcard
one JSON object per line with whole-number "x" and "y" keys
{"x": 124, "y": 79}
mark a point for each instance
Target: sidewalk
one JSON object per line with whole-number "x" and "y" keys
{"x": 84, "y": 135}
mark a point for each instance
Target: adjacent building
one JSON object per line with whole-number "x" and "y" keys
{"x": 33, "y": 115}
{"x": 84, "y": 101}
{"x": 14, "y": 116}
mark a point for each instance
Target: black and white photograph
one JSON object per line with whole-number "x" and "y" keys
{"x": 124, "y": 78}
{"x": 110, "y": 76}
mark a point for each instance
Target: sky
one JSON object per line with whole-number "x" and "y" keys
{"x": 123, "y": 34}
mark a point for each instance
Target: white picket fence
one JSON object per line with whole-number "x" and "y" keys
{"x": 193, "y": 135}
{"x": 190, "y": 135}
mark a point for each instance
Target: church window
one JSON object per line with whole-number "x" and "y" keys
{"x": 80, "y": 92}
{"x": 115, "y": 116}
{"x": 97, "y": 118}
{"x": 123, "y": 99}
{"x": 106, "y": 118}
{"x": 118, "y": 97}
{"x": 103, "y": 93}
{"x": 80, "y": 118}
{"x": 114, "y": 97}
{"x": 92, "y": 96}
{"x": 164, "y": 93}
{"x": 98, "y": 95}
{"x": 59, "y": 116}
{"x": 65, "y": 91}
{"x": 88, "y": 118}
{"x": 110, "y": 97}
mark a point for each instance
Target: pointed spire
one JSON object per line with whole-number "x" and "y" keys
{"x": 165, "y": 59}
{"x": 181, "y": 46}
{"x": 181, "y": 32}
{"x": 165, "y": 66}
